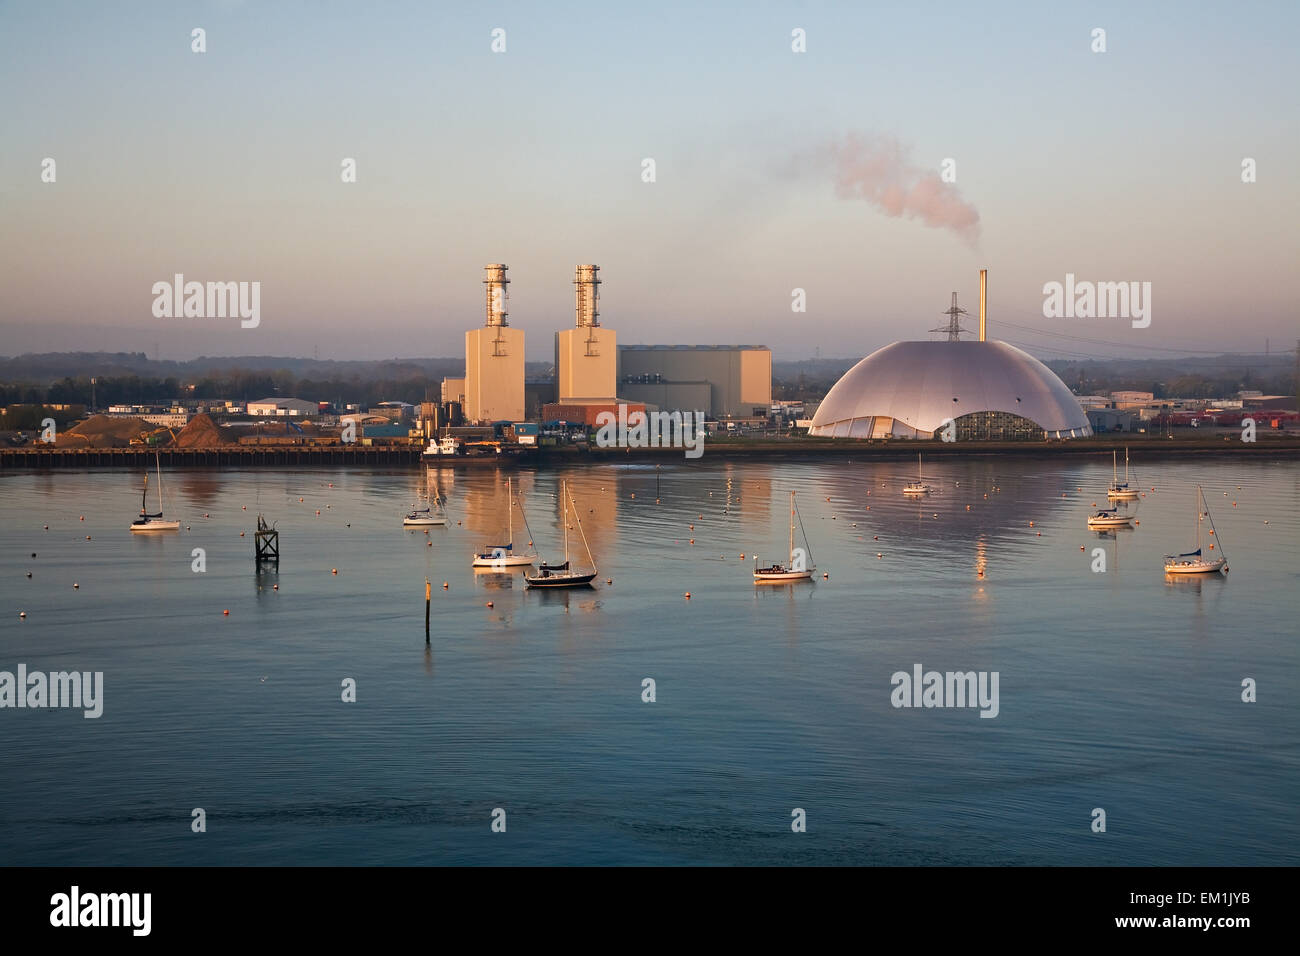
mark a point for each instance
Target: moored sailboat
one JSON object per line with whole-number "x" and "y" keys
{"x": 147, "y": 522}
{"x": 564, "y": 575}
{"x": 433, "y": 516}
{"x": 1196, "y": 562}
{"x": 801, "y": 563}
{"x": 919, "y": 487}
{"x": 1120, "y": 490}
{"x": 500, "y": 556}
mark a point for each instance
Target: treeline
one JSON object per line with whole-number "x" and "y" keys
{"x": 236, "y": 385}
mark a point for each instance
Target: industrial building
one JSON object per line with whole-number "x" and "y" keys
{"x": 983, "y": 390}
{"x": 586, "y": 356}
{"x": 494, "y": 358}
{"x": 725, "y": 381}
{"x": 293, "y": 407}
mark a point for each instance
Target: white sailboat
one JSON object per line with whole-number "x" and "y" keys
{"x": 434, "y": 516}
{"x": 919, "y": 487}
{"x": 1104, "y": 519}
{"x": 1120, "y": 490}
{"x": 801, "y": 563}
{"x": 500, "y": 556}
{"x": 148, "y": 523}
{"x": 562, "y": 575}
{"x": 1196, "y": 562}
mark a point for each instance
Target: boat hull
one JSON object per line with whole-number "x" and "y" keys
{"x": 423, "y": 522}
{"x": 1122, "y": 495}
{"x": 152, "y": 527}
{"x": 1196, "y": 567}
{"x": 563, "y": 579}
{"x": 505, "y": 561}
{"x": 1095, "y": 523}
{"x": 783, "y": 577}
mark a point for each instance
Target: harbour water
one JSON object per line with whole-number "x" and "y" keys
{"x": 1119, "y": 689}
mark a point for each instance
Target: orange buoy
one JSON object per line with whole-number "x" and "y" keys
{"x": 692, "y": 540}
{"x": 226, "y": 613}
{"x": 826, "y": 577}
{"x": 444, "y": 585}
{"x": 76, "y": 586}
{"x": 609, "y": 580}
{"x": 275, "y": 587}
{"x": 83, "y": 517}
{"x": 688, "y": 595}
{"x": 22, "y": 615}
{"x": 489, "y": 604}
{"x": 241, "y": 534}
{"x": 334, "y": 570}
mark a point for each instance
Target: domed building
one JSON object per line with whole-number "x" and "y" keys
{"x": 989, "y": 390}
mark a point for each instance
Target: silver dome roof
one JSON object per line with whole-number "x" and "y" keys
{"x": 922, "y": 384}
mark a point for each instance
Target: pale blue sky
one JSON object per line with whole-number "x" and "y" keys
{"x": 225, "y": 166}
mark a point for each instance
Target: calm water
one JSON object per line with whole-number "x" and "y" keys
{"x": 1117, "y": 690}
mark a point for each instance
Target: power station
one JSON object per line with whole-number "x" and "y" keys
{"x": 494, "y": 357}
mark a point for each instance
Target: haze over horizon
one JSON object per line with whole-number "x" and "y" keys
{"x": 775, "y": 170}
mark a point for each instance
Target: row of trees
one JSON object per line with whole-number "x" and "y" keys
{"x": 237, "y": 385}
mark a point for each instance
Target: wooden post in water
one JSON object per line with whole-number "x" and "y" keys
{"x": 266, "y": 543}
{"x": 428, "y": 596}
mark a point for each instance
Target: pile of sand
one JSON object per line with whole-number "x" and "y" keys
{"x": 201, "y": 432}
{"x": 106, "y": 431}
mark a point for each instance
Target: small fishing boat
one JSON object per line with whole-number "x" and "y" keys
{"x": 1120, "y": 490}
{"x": 801, "y": 563}
{"x": 435, "y": 516}
{"x": 501, "y": 556}
{"x": 917, "y": 488}
{"x": 1197, "y": 562}
{"x": 563, "y": 575}
{"x": 148, "y": 523}
{"x": 1109, "y": 519}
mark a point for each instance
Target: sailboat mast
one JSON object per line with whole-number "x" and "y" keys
{"x": 564, "y": 490}
{"x": 792, "y": 527}
{"x": 1126, "y": 464}
{"x": 144, "y": 492}
{"x": 510, "y": 507}
{"x": 158, "y": 458}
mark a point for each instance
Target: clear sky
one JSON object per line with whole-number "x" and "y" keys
{"x": 225, "y": 165}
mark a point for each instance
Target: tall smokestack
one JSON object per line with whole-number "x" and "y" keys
{"x": 587, "y": 286}
{"x": 494, "y": 278}
{"x": 984, "y": 295}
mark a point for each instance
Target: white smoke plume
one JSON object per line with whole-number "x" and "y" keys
{"x": 879, "y": 169}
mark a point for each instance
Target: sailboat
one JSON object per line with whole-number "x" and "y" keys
{"x": 153, "y": 522}
{"x": 1104, "y": 519}
{"x": 562, "y": 575}
{"x": 1119, "y": 490}
{"x": 918, "y": 487}
{"x": 432, "y": 517}
{"x": 498, "y": 556}
{"x": 801, "y": 564}
{"x": 1195, "y": 562}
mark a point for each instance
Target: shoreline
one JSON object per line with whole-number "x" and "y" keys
{"x": 32, "y": 458}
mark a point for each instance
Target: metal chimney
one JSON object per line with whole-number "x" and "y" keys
{"x": 984, "y": 287}
{"x": 587, "y": 286}
{"x": 497, "y": 295}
